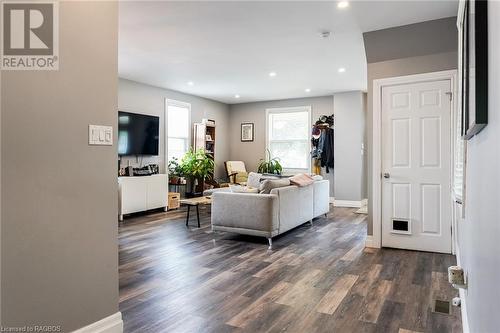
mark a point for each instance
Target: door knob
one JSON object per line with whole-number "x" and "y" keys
{"x": 387, "y": 175}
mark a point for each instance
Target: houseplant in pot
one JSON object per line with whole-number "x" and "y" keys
{"x": 270, "y": 165}
{"x": 174, "y": 171}
{"x": 197, "y": 166}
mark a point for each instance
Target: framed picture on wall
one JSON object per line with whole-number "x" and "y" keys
{"x": 247, "y": 132}
{"x": 474, "y": 66}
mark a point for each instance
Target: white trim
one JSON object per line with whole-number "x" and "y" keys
{"x": 303, "y": 108}
{"x": 378, "y": 84}
{"x": 348, "y": 203}
{"x": 462, "y": 293}
{"x": 110, "y": 324}
{"x": 369, "y": 242}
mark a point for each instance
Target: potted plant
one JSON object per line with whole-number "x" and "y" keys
{"x": 197, "y": 166}
{"x": 270, "y": 165}
{"x": 174, "y": 171}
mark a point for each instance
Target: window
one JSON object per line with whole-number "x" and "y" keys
{"x": 288, "y": 137}
{"x": 178, "y": 114}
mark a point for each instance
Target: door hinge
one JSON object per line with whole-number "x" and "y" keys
{"x": 450, "y": 95}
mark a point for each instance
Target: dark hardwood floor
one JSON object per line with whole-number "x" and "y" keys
{"x": 316, "y": 279}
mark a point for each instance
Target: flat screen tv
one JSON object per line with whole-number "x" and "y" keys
{"x": 138, "y": 134}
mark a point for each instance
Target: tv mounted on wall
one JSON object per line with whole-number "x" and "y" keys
{"x": 138, "y": 134}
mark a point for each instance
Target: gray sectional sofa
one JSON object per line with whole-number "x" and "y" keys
{"x": 269, "y": 215}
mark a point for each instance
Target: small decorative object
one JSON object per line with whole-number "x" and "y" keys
{"x": 270, "y": 165}
{"x": 208, "y": 137}
{"x": 247, "y": 132}
{"x": 473, "y": 53}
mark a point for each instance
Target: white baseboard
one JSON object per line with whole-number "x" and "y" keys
{"x": 369, "y": 242}
{"x": 347, "y": 203}
{"x": 463, "y": 305}
{"x": 110, "y": 324}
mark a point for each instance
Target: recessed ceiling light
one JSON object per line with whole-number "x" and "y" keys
{"x": 190, "y": 83}
{"x": 341, "y": 70}
{"x": 343, "y": 4}
{"x": 236, "y": 96}
{"x": 307, "y": 90}
{"x": 272, "y": 74}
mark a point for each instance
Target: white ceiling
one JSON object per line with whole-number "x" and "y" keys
{"x": 228, "y": 48}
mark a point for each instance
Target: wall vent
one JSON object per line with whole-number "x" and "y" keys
{"x": 442, "y": 307}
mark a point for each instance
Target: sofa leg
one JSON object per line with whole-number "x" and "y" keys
{"x": 270, "y": 240}
{"x": 326, "y": 214}
{"x": 311, "y": 222}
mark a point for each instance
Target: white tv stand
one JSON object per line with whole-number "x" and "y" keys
{"x": 137, "y": 194}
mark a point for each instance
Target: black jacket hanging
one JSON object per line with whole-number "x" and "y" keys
{"x": 327, "y": 155}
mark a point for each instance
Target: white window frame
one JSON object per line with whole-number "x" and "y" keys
{"x": 173, "y": 102}
{"x": 307, "y": 109}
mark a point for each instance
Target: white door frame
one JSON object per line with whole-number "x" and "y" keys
{"x": 376, "y": 194}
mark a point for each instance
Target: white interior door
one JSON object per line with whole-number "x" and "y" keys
{"x": 416, "y": 166}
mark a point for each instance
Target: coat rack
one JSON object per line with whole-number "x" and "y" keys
{"x": 322, "y": 151}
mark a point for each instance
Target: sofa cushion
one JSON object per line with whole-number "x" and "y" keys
{"x": 213, "y": 190}
{"x": 254, "y": 179}
{"x": 243, "y": 189}
{"x": 301, "y": 180}
{"x": 267, "y": 185}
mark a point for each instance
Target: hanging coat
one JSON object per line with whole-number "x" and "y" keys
{"x": 327, "y": 155}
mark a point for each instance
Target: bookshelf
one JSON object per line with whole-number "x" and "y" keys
{"x": 204, "y": 137}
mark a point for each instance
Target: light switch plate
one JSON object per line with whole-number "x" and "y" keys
{"x": 100, "y": 135}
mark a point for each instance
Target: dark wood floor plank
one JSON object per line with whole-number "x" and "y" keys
{"x": 316, "y": 279}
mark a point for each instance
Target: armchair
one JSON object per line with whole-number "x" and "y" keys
{"x": 236, "y": 172}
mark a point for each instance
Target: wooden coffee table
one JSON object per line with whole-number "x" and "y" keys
{"x": 205, "y": 200}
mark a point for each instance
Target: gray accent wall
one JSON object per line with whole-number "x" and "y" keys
{"x": 478, "y": 235}
{"x": 349, "y": 138}
{"x": 349, "y": 129}
{"x": 59, "y": 251}
{"x": 142, "y": 98}
{"x": 387, "y": 41}
{"x": 413, "y": 40}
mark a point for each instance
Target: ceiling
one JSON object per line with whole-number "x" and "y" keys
{"x": 229, "y": 48}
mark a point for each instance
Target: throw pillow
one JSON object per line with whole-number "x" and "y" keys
{"x": 301, "y": 180}
{"x": 269, "y": 184}
{"x": 254, "y": 179}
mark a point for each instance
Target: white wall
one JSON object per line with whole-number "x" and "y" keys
{"x": 142, "y": 98}
{"x": 479, "y": 234}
